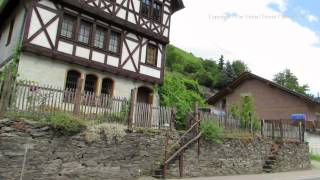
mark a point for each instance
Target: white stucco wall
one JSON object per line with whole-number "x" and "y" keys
{"x": 6, "y": 51}
{"x": 45, "y": 71}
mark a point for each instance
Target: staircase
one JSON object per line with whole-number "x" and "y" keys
{"x": 271, "y": 159}
{"x": 174, "y": 152}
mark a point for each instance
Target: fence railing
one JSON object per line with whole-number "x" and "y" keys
{"x": 147, "y": 115}
{"x": 33, "y": 99}
{"x": 226, "y": 122}
{"x": 275, "y": 129}
{"x": 27, "y": 97}
{"x": 282, "y": 129}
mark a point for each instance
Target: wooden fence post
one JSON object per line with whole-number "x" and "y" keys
{"x": 173, "y": 118}
{"x": 197, "y": 119}
{"x": 262, "y": 124}
{"x": 251, "y": 126}
{"x": 272, "y": 129}
{"x": 77, "y": 98}
{"x": 196, "y": 115}
{"x": 165, "y": 165}
{"x": 6, "y": 92}
{"x": 303, "y": 130}
{"x": 281, "y": 129}
{"x": 181, "y": 165}
{"x": 132, "y": 108}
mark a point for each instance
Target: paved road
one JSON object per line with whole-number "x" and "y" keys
{"x": 313, "y": 174}
{"x": 297, "y": 175}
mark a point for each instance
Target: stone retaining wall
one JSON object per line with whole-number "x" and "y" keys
{"x": 236, "y": 156}
{"x": 56, "y": 157}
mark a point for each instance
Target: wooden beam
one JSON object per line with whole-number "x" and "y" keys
{"x": 183, "y": 147}
{"x": 77, "y": 100}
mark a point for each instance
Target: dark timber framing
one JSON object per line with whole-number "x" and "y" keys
{"x": 106, "y": 17}
{"x": 55, "y": 54}
{"x": 88, "y": 63}
{"x": 94, "y": 23}
{"x": 97, "y": 13}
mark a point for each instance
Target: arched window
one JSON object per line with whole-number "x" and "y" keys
{"x": 72, "y": 79}
{"x": 90, "y": 84}
{"x": 107, "y": 87}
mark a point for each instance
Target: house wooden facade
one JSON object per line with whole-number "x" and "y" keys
{"x": 114, "y": 45}
{"x": 272, "y": 101}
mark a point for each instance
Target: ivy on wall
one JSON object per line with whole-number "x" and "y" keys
{"x": 12, "y": 67}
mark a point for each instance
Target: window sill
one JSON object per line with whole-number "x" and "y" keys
{"x": 89, "y": 46}
{"x": 152, "y": 19}
{"x": 151, "y": 66}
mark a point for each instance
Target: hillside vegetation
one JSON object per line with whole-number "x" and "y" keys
{"x": 1, "y": 3}
{"x": 213, "y": 74}
{"x": 187, "y": 75}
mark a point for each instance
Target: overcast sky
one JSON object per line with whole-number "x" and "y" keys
{"x": 268, "y": 35}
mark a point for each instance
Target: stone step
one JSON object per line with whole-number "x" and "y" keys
{"x": 270, "y": 161}
{"x": 158, "y": 172}
{"x": 267, "y": 170}
{"x": 267, "y": 166}
{"x": 271, "y": 157}
{"x": 157, "y": 176}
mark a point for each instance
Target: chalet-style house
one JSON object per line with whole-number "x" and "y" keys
{"x": 272, "y": 101}
{"x": 114, "y": 45}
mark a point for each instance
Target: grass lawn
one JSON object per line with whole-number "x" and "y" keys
{"x": 314, "y": 156}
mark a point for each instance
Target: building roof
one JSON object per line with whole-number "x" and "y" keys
{"x": 177, "y": 5}
{"x": 249, "y": 76}
{"x": 7, "y": 5}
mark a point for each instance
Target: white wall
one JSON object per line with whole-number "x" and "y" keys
{"x": 45, "y": 71}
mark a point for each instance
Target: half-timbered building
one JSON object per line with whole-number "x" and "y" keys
{"x": 114, "y": 45}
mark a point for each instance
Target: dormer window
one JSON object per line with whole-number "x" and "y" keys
{"x": 68, "y": 25}
{"x": 151, "y": 9}
{"x": 84, "y": 33}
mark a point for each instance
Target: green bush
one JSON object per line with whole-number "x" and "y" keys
{"x": 180, "y": 92}
{"x": 20, "y": 115}
{"x": 120, "y": 117}
{"x": 314, "y": 156}
{"x": 65, "y": 122}
{"x": 245, "y": 111}
{"x": 211, "y": 131}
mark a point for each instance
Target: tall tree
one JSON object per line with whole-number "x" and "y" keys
{"x": 230, "y": 74}
{"x": 239, "y": 67}
{"x": 287, "y": 79}
{"x": 221, "y": 63}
